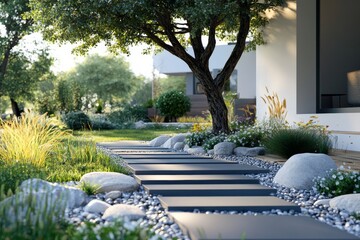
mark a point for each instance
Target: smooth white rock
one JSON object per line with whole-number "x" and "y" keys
{"x": 123, "y": 211}
{"x": 173, "y": 140}
{"x": 322, "y": 202}
{"x": 110, "y": 181}
{"x": 348, "y": 202}
{"x": 96, "y": 206}
{"x": 196, "y": 150}
{"x": 186, "y": 147}
{"x": 224, "y": 148}
{"x": 140, "y": 125}
{"x": 300, "y": 170}
{"x": 211, "y": 151}
{"x": 179, "y": 146}
{"x": 158, "y": 141}
{"x": 113, "y": 194}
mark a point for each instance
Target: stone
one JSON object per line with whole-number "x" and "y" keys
{"x": 123, "y": 211}
{"x": 110, "y": 181}
{"x": 158, "y": 141}
{"x": 96, "y": 206}
{"x": 252, "y": 152}
{"x": 173, "y": 140}
{"x": 211, "y": 151}
{"x": 140, "y": 125}
{"x": 196, "y": 150}
{"x": 113, "y": 194}
{"x": 322, "y": 202}
{"x": 299, "y": 171}
{"x": 348, "y": 202}
{"x": 224, "y": 148}
{"x": 179, "y": 146}
{"x": 186, "y": 147}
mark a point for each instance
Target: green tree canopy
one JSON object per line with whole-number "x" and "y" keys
{"x": 169, "y": 24}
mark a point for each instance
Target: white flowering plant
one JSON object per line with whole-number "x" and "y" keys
{"x": 211, "y": 142}
{"x": 198, "y": 138}
{"x": 250, "y": 136}
{"x": 338, "y": 182}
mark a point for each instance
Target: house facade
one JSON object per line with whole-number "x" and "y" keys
{"x": 311, "y": 59}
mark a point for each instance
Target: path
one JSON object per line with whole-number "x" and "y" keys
{"x": 186, "y": 183}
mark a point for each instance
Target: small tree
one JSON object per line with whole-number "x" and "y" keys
{"x": 173, "y": 104}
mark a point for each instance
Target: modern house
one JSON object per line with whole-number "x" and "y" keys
{"x": 311, "y": 59}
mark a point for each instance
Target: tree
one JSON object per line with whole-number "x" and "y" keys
{"x": 23, "y": 75}
{"x": 15, "y": 27}
{"x": 170, "y": 24}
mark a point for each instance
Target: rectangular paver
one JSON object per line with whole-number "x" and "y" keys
{"x": 196, "y": 179}
{"x": 209, "y": 189}
{"x": 149, "y": 153}
{"x": 181, "y": 169}
{"x": 226, "y": 227}
{"x": 177, "y": 161}
{"x": 228, "y": 203}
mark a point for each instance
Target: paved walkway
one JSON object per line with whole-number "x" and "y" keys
{"x": 185, "y": 182}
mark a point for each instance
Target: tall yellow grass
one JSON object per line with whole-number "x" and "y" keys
{"x": 29, "y": 139}
{"x": 276, "y": 107}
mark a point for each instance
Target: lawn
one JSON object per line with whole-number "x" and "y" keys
{"x": 127, "y": 134}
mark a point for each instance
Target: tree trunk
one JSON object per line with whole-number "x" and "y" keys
{"x": 15, "y": 108}
{"x": 219, "y": 112}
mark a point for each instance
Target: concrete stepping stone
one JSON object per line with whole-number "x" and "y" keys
{"x": 261, "y": 227}
{"x": 208, "y": 189}
{"x": 177, "y": 161}
{"x": 191, "y": 169}
{"x": 158, "y": 156}
{"x": 156, "y": 153}
{"x": 255, "y": 204}
{"x": 123, "y": 144}
{"x": 139, "y": 150}
{"x": 196, "y": 179}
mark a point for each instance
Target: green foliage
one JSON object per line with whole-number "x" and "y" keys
{"x": 88, "y": 188}
{"x": 173, "y": 104}
{"x": 338, "y": 183}
{"x": 77, "y": 120}
{"x": 11, "y": 175}
{"x": 75, "y": 157}
{"x": 211, "y": 142}
{"x": 287, "y": 142}
{"x": 101, "y": 122}
{"x": 128, "y": 115}
{"x": 29, "y": 139}
{"x": 68, "y": 94}
{"x": 248, "y": 136}
{"x": 198, "y": 138}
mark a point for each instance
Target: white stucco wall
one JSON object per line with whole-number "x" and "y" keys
{"x": 276, "y": 68}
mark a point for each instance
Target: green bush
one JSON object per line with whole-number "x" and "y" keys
{"x": 14, "y": 174}
{"x": 248, "y": 136}
{"x": 125, "y": 117}
{"x": 77, "y": 121}
{"x": 288, "y": 142}
{"x": 101, "y": 122}
{"x": 173, "y": 104}
{"x": 211, "y": 142}
{"x": 198, "y": 138}
{"x": 338, "y": 183}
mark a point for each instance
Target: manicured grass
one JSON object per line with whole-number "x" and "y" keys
{"x": 127, "y": 134}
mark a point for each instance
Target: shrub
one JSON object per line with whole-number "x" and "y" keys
{"x": 101, "y": 122}
{"x": 288, "y": 142}
{"x": 248, "y": 136}
{"x": 14, "y": 174}
{"x": 173, "y": 104}
{"x": 338, "y": 183}
{"x": 211, "y": 142}
{"x": 29, "y": 139}
{"x": 198, "y": 138}
{"x": 125, "y": 117}
{"x": 77, "y": 121}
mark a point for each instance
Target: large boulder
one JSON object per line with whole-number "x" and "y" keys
{"x": 252, "y": 152}
{"x": 179, "y": 146}
{"x": 348, "y": 202}
{"x": 170, "y": 143}
{"x": 196, "y": 150}
{"x": 96, "y": 206}
{"x": 300, "y": 170}
{"x": 224, "y": 148}
{"x": 123, "y": 211}
{"x": 110, "y": 181}
{"x": 158, "y": 141}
